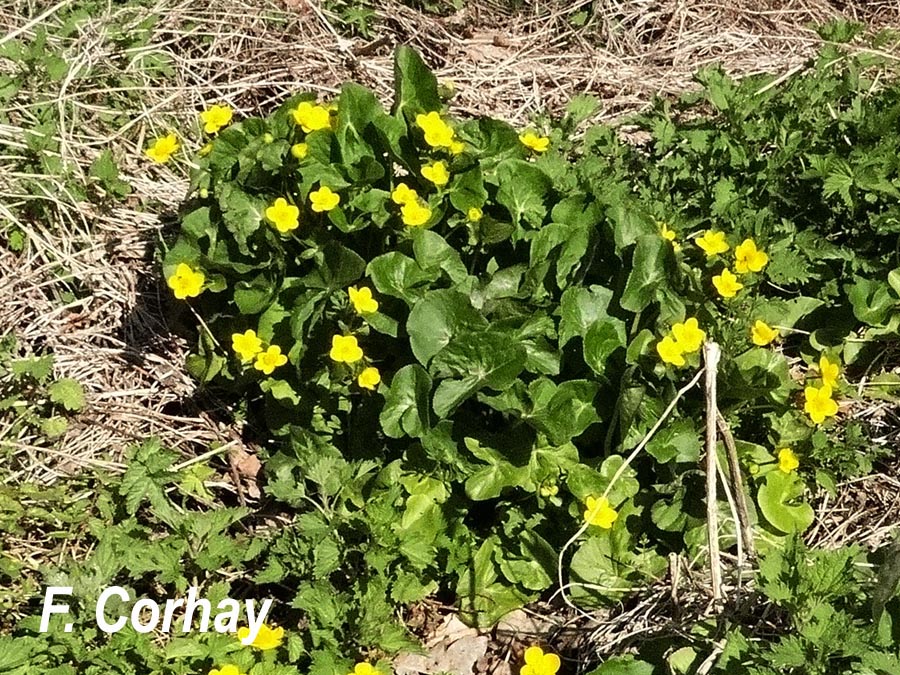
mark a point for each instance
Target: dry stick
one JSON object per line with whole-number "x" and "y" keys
{"x": 711, "y": 356}
{"x": 737, "y": 486}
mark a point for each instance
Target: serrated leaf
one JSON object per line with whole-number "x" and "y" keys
{"x": 68, "y": 393}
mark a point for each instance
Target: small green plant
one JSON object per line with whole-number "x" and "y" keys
{"x": 30, "y": 395}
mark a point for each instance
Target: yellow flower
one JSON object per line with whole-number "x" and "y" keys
{"x": 403, "y": 194}
{"x": 438, "y": 134}
{"x": 284, "y": 216}
{"x": 828, "y": 371}
{"x": 345, "y": 349}
{"x": 762, "y": 333}
{"x": 362, "y": 300}
{"x": 599, "y": 512}
{"x": 670, "y": 351}
{"x": 364, "y": 669}
{"x": 787, "y": 460}
{"x": 163, "y": 148}
{"x": 216, "y": 117}
{"x": 534, "y": 142}
{"x": 819, "y": 403}
{"x": 748, "y": 259}
{"x": 474, "y": 214}
{"x": 415, "y": 214}
{"x": 437, "y": 173}
{"x": 688, "y": 335}
{"x": 186, "y": 282}
{"x": 369, "y": 378}
{"x": 299, "y": 150}
{"x": 712, "y": 243}
{"x": 270, "y": 359}
{"x": 324, "y": 199}
{"x": 311, "y": 117}
{"x": 727, "y": 284}
{"x": 205, "y": 150}
{"x": 457, "y": 148}
{"x": 226, "y": 670}
{"x": 539, "y": 663}
{"x": 266, "y": 638}
{"x": 669, "y": 235}
{"x": 246, "y": 345}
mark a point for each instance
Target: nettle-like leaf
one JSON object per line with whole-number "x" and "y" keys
{"x": 68, "y": 393}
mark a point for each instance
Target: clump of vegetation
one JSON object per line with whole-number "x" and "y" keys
{"x": 468, "y": 348}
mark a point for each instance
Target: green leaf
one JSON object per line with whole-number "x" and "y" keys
{"x": 467, "y": 190}
{"x": 603, "y": 338}
{"x": 580, "y": 308}
{"x": 678, "y": 441}
{"x": 523, "y": 190}
{"x": 338, "y": 268}
{"x": 406, "y": 408}
{"x": 357, "y": 108}
{"x": 872, "y": 301}
{"x": 777, "y": 500}
{"x": 600, "y": 561}
{"x": 252, "y": 297}
{"x": 415, "y": 86}
{"x": 623, "y": 665}
{"x": 399, "y": 276}
{"x": 569, "y": 412}
{"x": 242, "y": 214}
{"x": 481, "y": 359}
{"x": 36, "y": 367}
{"x": 146, "y": 478}
{"x": 435, "y": 255}
{"x": 68, "y": 393}
{"x": 648, "y": 272}
{"x": 434, "y": 321}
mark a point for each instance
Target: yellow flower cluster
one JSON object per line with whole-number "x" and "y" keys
{"x": 598, "y": 512}
{"x": 685, "y": 338}
{"x": 534, "y": 142}
{"x": 284, "y": 216}
{"x": 346, "y": 349}
{"x": 186, "y": 282}
{"x": 747, "y": 258}
{"x": 669, "y": 235}
{"x": 266, "y": 638}
{"x": 216, "y": 117}
{"x": 787, "y": 460}
{"x": 818, "y": 401}
{"x": 162, "y": 149}
{"x": 437, "y": 173}
{"x": 249, "y": 347}
{"x": 413, "y": 210}
{"x": 539, "y": 663}
{"x": 439, "y": 134}
{"x": 762, "y": 333}
{"x": 310, "y": 117}
{"x": 324, "y": 199}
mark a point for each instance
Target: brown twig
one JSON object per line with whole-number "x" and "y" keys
{"x": 737, "y": 484}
